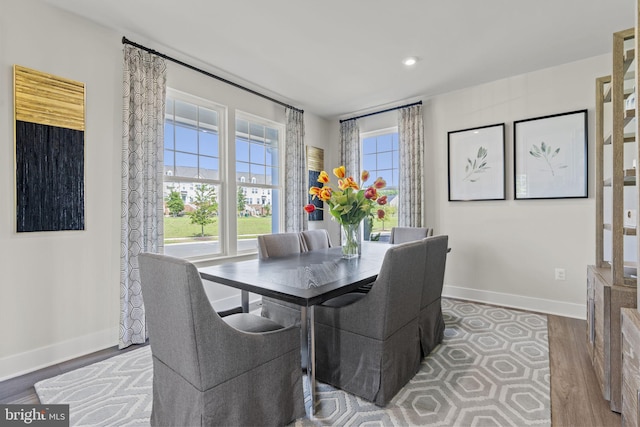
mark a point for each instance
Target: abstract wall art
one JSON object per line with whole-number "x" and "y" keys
{"x": 315, "y": 164}
{"x": 49, "y": 151}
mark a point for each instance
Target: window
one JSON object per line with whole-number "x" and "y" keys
{"x": 258, "y": 163}
{"x": 380, "y": 157}
{"x": 197, "y": 176}
{"x": 192, "y": 179}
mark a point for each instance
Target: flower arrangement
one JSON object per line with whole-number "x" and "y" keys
{"x": 350, "y": 203}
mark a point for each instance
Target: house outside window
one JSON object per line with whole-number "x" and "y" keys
{"x": 380, "y": 156}
{"x": 258, "y": 161}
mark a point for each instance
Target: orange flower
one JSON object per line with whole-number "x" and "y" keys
{"x": 323, "y": 178}
{"x": 349, "y": 201}
{"x": 325, "y": 194}
{"x": 380, "y": 183}
{"x": 371, "y": 193}
{"x": 315, "y": 191}
{"x": 343, "y": 184}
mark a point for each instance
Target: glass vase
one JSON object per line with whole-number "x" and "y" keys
{"x": 351, "y": 240}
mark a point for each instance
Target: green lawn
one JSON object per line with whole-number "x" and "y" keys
{"x": 180, "y": 229}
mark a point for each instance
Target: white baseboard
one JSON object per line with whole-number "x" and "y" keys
{"x": 577, "y": 311}
{"x": 32, "y": 360}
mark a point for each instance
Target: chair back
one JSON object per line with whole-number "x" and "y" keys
{"x": 205, "y": 370}
{"x": 279, "y": 244}
{"x": 394, "y": 298}
{"x": 436, "y": 259}
{"x": 175, "y": 306}
{"x": 408, "y": 234}
{"x": 316, "y": 239}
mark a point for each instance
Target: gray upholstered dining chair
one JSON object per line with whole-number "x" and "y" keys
{"x": 240, "y": 370}
{"x": 408, "y": 234}
{"x": 368, "y": 344}
{"x": 401, "y": 235}
{"x": 279, "y": 244}
{"x": 272, "y": 246}
{"x": 430, "y": 320}
{"x": 316, "y": 239}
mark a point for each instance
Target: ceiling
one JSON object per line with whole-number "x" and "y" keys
{"x": 337, "y": 57}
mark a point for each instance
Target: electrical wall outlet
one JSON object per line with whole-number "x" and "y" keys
{"x": 560, "y": 274}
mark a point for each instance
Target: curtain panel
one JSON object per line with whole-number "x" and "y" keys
{"x": 350, "y": 147}
{"x": 295, "y": 184}
{"x": 411, "y": 153}
{"x": 144, "y": 92}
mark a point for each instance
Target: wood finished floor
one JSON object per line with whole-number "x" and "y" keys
{"x": 576, "y": 399}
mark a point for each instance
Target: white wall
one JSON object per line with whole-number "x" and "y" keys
{"x": 59, "y": 291}
{"x": 505, "y": 252}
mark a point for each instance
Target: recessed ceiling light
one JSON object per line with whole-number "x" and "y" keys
{"x": 411, "y": 60}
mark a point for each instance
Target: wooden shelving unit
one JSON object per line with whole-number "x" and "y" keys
{"x": 612, "y": 282}
{"x": 630, "y": 318}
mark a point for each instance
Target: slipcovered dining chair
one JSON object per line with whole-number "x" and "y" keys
{"x": 401, "y": 235}
{"x": 431, "y": 321}
{"x": 240, "y": 370}
{"x": 408, "y": 234}
{"x": 316, "y": 239}
{"x": 367, "y": 344}
{"x": 279, "y": 244}
{"x": 272, "y": 246}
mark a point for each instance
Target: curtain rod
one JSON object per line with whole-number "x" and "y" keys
{"x": 206, "y": 73}
{"x": 383, "y": 111}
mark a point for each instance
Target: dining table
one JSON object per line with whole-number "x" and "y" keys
{"x": 306, "y": 279}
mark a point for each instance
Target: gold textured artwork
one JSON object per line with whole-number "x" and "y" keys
{"x": 47, "y": 99}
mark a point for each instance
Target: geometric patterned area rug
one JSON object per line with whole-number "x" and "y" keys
{"x": 492, "y": 369}
{"x": 113, "y": 392}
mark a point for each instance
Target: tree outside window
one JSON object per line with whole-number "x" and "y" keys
{"x": 206, "y": 206}
{"x": 175, "y": 204}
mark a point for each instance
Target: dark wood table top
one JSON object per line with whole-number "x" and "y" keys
{"x": 305, "y": 279}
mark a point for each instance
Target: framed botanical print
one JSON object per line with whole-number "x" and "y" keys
{"x": 477, "y": 163}
{"x": 550, "y": 156}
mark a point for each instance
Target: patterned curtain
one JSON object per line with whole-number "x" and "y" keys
{"x": 411, "y": 145}
{"x": 350, "y": 148}
{"x": 142, "y": 172}
{"x": 295, "y": 185}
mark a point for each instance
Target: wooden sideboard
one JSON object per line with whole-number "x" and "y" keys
{"x": 604, "y": 302}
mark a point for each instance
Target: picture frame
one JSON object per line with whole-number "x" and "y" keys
{"x": 49, "y": 126}
{"x": 315, "y": 164}
{"x": 550, "y": 156}
{"x": 476, "y": 163}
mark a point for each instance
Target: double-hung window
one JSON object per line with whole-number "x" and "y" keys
{"x": 258, "y": 169}
{"x": 192, "y": 176}
{"x": 380, "y": 157}
{"x": 215, "y": 205}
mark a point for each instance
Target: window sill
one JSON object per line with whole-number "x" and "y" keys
{"x": 209, "y": 261}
